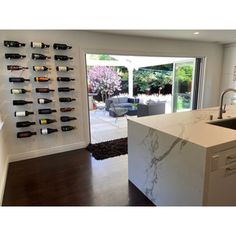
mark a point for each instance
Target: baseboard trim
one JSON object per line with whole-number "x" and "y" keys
{"x": 3, "y": 179}
{"x": 47, "y": 151}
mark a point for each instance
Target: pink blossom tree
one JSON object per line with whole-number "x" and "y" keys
{"x": 105, "y": 80}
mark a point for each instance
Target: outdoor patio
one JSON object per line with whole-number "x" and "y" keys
{"x": 105, "y": 127}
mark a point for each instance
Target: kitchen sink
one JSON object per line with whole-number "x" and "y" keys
{"x": 226, "y": 123}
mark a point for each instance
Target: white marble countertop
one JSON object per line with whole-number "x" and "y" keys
{"x": 192, "y": 126}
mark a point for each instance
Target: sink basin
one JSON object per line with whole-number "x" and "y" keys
{"x": 226, "y": 123}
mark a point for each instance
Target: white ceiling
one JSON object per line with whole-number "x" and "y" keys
{"x": 218, "y": 36}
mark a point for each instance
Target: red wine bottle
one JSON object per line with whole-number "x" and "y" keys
{"x": 41, "y": 68}
{"x": 67, "y": 118}
{"x": 44, "y": 101}
{"x": 62, "y": 58}
{"x": 17, "y": 80}
{"x": 37, "y": 56}
{"x": 66, "y": 99}
{"x": 16, "y": 67}
{"x": 64, "y": 79}
{"x": 19, "y": 91}
{"x": 48, "y": 130}
{"x": 22, "y": 124}
{"x": 23, "y": 113}
{"x": 41, "y": 79}
{"x": 46, "y": 111}
{"x": 21, "y": 102}
{"x": 46, "y": 121}
{"x": 25, "y": 134}
{"x": 67, "y": 109}
{"x": 65, "y": 89}
{"x": 44, "y": 90}
{"x": 61, "y": 46}
{"x": 63, "y": 68}
{"x": 39, "y": 45}
{"x": 14, "y": 56}
{"x": 13, "y": 44}
{"x": 67, "y": 128}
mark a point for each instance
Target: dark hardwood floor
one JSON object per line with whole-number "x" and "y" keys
{"x": 71, "y": 179}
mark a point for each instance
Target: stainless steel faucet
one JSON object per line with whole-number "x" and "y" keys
{"x": 222, "y": 109}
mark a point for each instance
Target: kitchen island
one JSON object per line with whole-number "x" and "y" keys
{"x": 180, "y": 159}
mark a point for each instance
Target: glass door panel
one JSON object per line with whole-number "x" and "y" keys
{"x": 183, "y": 85}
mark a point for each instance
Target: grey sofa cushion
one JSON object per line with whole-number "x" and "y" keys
{"x": 123, "y": 105}
{"x": 119, "y": 99}
{"x": 151, "y": 109}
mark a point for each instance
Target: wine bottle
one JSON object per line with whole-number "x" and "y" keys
{"x": 16, "y": 67}
{"x": 67, "y": 109}
{"x": 25, "y": 134}
{"x": 21, "y": 102}
{"x": 41, "y": 68}
{"x": 22, "y": 124}
{"x": 19, "y": 91}
{"x": 13, "y": 44}
{"x": 67, "y": 128}
{"x": 23, "y": 113}
{"x": 65, "y": 89}
{"x": 44, "y": 100}
{"x": 66, "y": 99}
{"x": 46, "y": 111}
{"x": 39, "y": 45}
{"x": 48, "y": 130}
{"x": 46, "y": 121}
{"x": 63, "y": 68}
{"x": 44, "y": 90}
{"x": 62, "y": 58}
{"x": 67, "y": 118}
{"x": 14, "y": 56}
{"x": 17, "y": 79}
{"x": 37, "y": 56}
{"x": 41, "y": 79}
{"x": 61, "y": 46}
{"x": 64, "y": 79}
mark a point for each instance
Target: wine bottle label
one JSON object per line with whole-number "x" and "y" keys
{"x": 38, "y": 68}
{"x": 37, "y": 45}
{"x": 20, "y": 113}
{"x": 43, "y": 122}
{"x": 62, "y": 68}
{"x": 16, "y": 91}
{"x": 41, "y": 101}
{"x": 44, "y": 131}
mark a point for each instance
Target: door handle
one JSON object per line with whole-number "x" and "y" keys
{"x": 230, "y": 159}
{"x": 230, "y": 171}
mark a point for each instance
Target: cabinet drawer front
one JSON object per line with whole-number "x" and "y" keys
{"x": 223, "y": 159}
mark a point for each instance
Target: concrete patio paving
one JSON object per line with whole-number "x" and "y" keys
{"x": 104, "y": 127}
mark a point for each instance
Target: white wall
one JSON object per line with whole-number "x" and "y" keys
{"x": 229, "y": 62}
{"x": 58, "y": 142}
{"x": 92, "y": 42}
{"x": 213, "y": 52}
{"x": 3, "y": 164}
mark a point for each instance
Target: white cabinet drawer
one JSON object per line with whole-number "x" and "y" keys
{"x": 224, "y": 159}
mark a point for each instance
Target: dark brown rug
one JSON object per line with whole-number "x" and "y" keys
{"x": 109, "y": 149}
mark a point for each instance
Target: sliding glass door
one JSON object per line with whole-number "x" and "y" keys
{"x": 182, "y": 90}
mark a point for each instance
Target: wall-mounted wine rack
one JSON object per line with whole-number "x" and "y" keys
{"x": 27, "y": 126}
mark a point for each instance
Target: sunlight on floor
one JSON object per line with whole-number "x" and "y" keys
{"x": 105, "y": 127}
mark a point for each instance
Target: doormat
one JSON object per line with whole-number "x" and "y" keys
{"x": 108, "y": 149}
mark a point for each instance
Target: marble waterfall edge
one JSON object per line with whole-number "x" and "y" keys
{"x": 158, "y": 164}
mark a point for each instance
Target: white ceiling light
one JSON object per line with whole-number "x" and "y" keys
{"x": 196, "y": 33}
